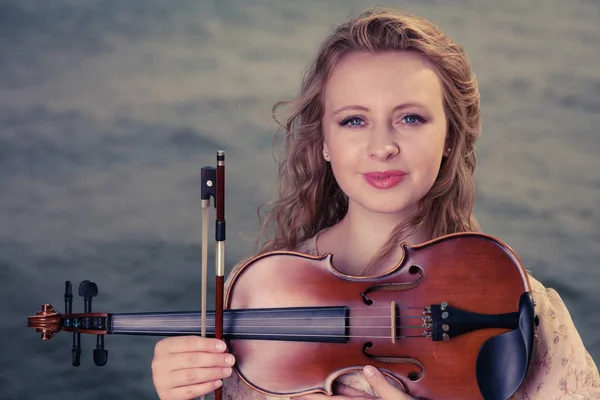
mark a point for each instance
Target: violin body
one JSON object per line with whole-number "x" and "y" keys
{"x": 453, "y": 320}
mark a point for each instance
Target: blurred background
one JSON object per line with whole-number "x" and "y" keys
{"x": 110, "y": 108}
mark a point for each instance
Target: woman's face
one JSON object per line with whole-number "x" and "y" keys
{"x": 384, "y": 130}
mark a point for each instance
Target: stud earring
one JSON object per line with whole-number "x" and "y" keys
{"x": 449, "y": 149}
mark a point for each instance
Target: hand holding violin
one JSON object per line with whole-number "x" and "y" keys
{"x": 377, "y": 381}
{"x": 186, "y": 367}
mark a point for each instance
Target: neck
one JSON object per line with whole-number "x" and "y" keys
{"x": 362, "y": 233}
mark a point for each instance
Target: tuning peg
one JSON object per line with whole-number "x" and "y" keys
{"x": 88, "y": 290}
{"x": 100, "y": 354}
{"x": 76, "y": 349}
{"x": 68, "y": 298}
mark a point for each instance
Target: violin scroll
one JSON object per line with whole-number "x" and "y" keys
{"x": 48, "y": 322}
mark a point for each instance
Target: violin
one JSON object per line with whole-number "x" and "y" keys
{"x": 454, "y": 319}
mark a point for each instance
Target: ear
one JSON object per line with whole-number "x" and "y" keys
{"x": 326, "y": 155}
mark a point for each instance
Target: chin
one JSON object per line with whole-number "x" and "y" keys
{"x": 392, "y": 212}
{"x": 391, "y": 208}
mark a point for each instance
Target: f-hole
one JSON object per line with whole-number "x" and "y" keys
{"x": 413, "y": 270}
{"x": 413, "y": 375}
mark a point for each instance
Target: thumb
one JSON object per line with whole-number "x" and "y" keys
{"x": 382, "y": 386}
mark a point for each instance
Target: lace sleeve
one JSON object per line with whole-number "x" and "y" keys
{"x": 235, "y": 389}
{"x": 561, "y": 367}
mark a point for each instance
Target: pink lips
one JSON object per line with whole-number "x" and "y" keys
{"x": 384, "y": 179}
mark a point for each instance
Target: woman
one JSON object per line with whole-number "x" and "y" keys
{"x": 380, "y": 150}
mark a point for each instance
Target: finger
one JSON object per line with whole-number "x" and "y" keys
{"x": 193, "y": 376}
{"x": 198, "y": 360}
{"x": 334, "y": 397}
{"x": 184, "y": 344}
{"x": 340, "y": 388}
{"x": 381, "y": 385}
{"x": 193, "y": 391}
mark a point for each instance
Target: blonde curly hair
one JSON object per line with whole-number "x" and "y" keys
{"x": 309, "y": 196}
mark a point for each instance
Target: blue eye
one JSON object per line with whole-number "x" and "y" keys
{"x": 352, "y": 121}
{"x": 356, "y": 121}
{"x": 413, "y": 119}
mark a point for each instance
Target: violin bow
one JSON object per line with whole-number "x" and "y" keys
{"x": 213, "y": 184}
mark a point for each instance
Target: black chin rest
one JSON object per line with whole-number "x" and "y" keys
{"x": 503, "y": 360}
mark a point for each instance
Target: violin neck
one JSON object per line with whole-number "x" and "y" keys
{"x": 294, "y": 324}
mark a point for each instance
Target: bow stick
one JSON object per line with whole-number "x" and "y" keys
{"x": 220, "y": 252}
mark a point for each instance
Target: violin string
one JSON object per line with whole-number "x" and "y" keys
{"x": 269, "y": 310}
{"x": 193, "y": 314}
{"x": 239, "y": 313}
{"x": 262, "y": 320}
{"x": 193, "y": 326}
{"x": 193, "y": 323}
{"x": 296, "y": 335}
{"x": 257, "y": 323}
{"x": 169, "y": 319}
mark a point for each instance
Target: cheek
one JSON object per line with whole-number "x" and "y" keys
{"x": 340, "y": 167}
{"x": 345, "y": 164}
{"x": 345, "y": 153}
{"x": 428, "y": 160}
{"x": 432, "y": 149}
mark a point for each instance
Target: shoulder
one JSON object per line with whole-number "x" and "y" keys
{"x": 236, "y": 268}
{"x": 560, "y": 365}
{"x": 308, "y": 246}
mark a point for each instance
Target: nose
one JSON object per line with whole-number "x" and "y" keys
{"x": 382, "y": 145}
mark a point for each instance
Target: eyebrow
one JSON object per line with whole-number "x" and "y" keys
{"x": 366, "y": 109}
